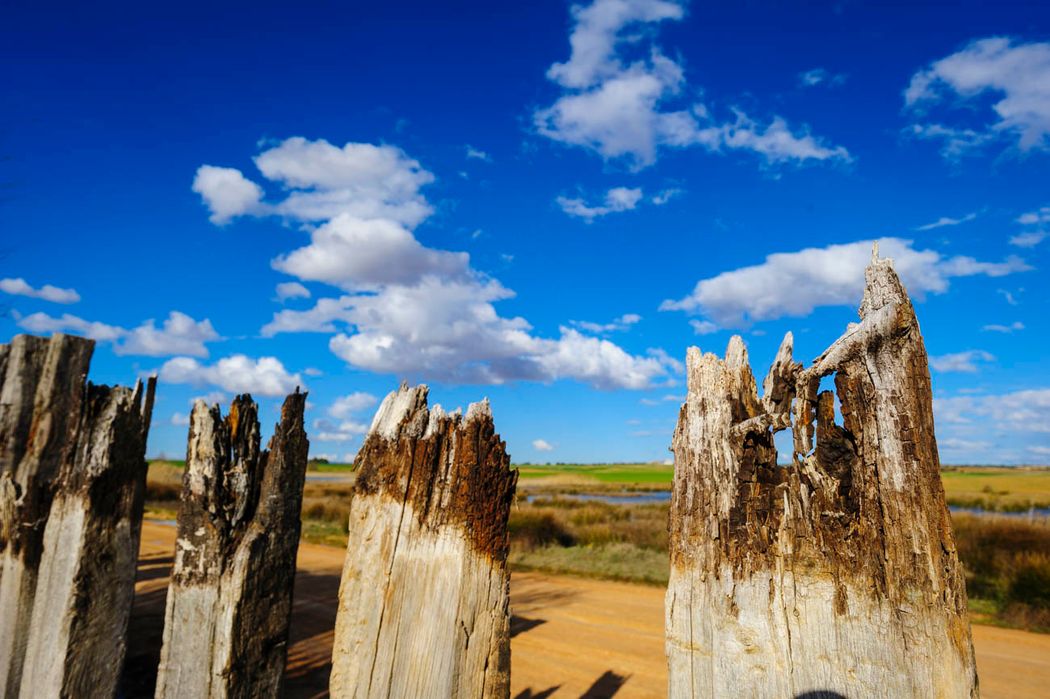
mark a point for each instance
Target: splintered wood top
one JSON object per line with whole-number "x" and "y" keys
{"x": 579, "y": 638}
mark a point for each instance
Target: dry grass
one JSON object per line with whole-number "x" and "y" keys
{"x": 1007, "y": 560}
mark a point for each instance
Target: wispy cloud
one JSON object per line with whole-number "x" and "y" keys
{"x": 947, "y": 221}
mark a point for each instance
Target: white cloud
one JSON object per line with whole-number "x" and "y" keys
{"x": 227, "y": 193}
{"x": 351, "y": 404}
{"x": 947, "y": 221}
{"x": 180, "y": 419}
{"x": 618, "y": 108}
{"x": 703, "y": 327}
{"x": 43, "y": 323}
{"x": 411, "y": 309}
{"x": 820, "y": 76}
{"x": 960, "y": 361}
{"x": 19, "y": 287}
{"x": 237, "y": 373}
{"x": 542, "y": 445}
{"x": 1024, "y": 411}
{"x": 343, "y": 431}
{"x": 829, "y": 276}
{"x": 661, "y": 198}
{"x": 180, "y": 334}
{"x": 291, "y": 290}
{"x": 616, "y": 199}
{"x": 622, "y": 323}
{"x": 1040, "y": 216}
{"x": 355, "y": 253}
{"x": 320, "y": 182}
{"x": 1017, "y": 75}
{"x": 478, "y": 154}
{"x": 1016, "y": 325}
{"x": 1031, "y": 237}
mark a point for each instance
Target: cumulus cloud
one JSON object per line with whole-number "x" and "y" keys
{"x": 542, "y": 445}
{"x": 237, "y": 373}
{"x": 19, "y": 287}
{"x": 179, "y": 333}
{"x": 180, "y": 419}
{"x": 616, "y": 199}
{"x": 960, "y": 361}
{"x": 291, "y": 290}
{"x": 44, "y": 324}
{"x": 319, "y": 182}
{"x": 1015, "y": 75}
{"x": 227, "y": 193}
{"x": 620, "y": 109}
{"x": 829, "y": 276}
{"x": 345, "y": 406}
{"x": 355, "y": 253}
{"x": 416, "y": 310}
{"x": 947, "y": 221}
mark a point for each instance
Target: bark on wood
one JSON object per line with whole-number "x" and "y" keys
{"x": 835, "y": 574}
{"x": 40, "y": 404}
{"x": 77, "y": 632}
{"x": 424, "y": 596}
{"x": 229, "y": 601}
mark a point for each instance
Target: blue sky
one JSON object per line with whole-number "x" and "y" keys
{"x": 542, "y": 203}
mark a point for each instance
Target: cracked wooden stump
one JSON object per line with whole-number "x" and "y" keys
{"x": 72, "y": 476}
{"x": 424, "y": 596}
{"x": 230, "y": 596}
{"x": 837, "y": 573}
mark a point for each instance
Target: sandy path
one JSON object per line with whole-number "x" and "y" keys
{"x": 571, "y": 637}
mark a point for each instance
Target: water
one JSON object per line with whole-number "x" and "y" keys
{"x": 659, "y": 496}
{"x": 1029, "y": 513}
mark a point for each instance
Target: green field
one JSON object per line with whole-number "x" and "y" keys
{"x": 624, "y": 474}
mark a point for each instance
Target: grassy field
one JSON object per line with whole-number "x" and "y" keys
{"x": 997, "y": 488}
{"x": 1007, "y": 560}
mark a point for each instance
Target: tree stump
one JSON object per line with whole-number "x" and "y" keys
{"x": 424, "y": 596}
{"x": 230, "y": 596}
{"x": 837, "y": 574}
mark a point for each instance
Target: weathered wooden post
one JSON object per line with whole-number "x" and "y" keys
{"x": 230, "y": 597}
{"x": 424, "y": 597}
{"x": 77, "y": 632}
{"x": 72, "y": 474}
{"x": 836, "y": 575}
{"x": 40, "y": 400}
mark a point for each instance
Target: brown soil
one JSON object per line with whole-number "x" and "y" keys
{"x": 570, "y": 637}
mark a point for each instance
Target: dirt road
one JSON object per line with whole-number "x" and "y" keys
{"x": 571, "y": 637}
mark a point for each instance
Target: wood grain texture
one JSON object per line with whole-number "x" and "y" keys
{"x": 424, "y": 594}
{"x": 229, "y": 601}
{"x": 44, "y": 383}
{"x": 837, "y": 573}
{"x": 77, "y": 634}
